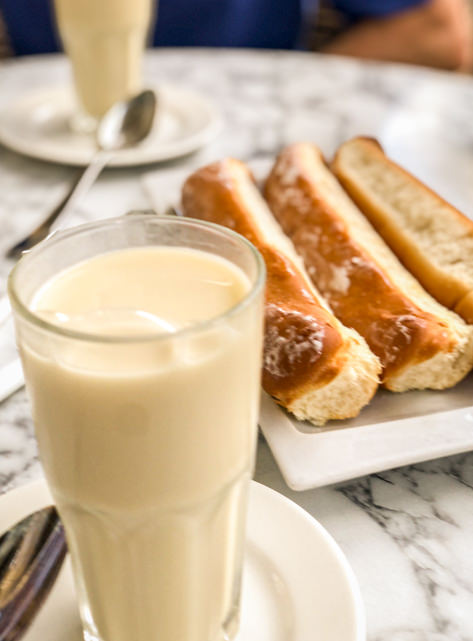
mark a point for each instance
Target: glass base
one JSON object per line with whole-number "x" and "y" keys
{"x": 83, "y": 123}
{"x": 232, "y": 624}
{"x": 228, "y": 632}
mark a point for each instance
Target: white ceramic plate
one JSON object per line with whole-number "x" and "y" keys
{"x": 37, "y": 124}
{"x": 394, "y": 430}
{"x": 297, "y": 584}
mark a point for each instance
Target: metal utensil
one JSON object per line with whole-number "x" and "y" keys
{"x": 124, "y": 125}
{"x": 31, "y": 555}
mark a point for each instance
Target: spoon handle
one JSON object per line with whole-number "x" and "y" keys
{"x": 78, "y": 189}
{"x": 85, "y": 181}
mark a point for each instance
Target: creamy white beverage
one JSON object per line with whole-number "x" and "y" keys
{"x": 147, "y": 432}
{"x": 104, "y": 40}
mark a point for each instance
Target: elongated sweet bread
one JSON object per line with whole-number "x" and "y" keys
{"x": 432, "y": 238}
{"x": 419, "y": 342}
{"x": 313, "y": 366}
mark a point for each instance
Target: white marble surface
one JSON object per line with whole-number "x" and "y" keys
{"x": 407, "y": 532}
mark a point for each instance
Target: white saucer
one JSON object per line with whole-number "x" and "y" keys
{"x": 37, "y": 124}
{"x": 297, "y": 584}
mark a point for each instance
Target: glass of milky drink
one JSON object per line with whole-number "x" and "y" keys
{"x": 141, "y": 342}
{"x": 104, "y": 40}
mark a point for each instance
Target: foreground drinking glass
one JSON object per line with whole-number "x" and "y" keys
{"x": 141, "y": 344}
{"x": 104, "y": 41}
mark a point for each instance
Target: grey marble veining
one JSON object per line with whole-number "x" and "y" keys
{"x": 18, "y": 451}
{"x": 408, "y": 532}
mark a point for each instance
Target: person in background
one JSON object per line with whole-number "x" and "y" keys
{"x": 435, "y": 33}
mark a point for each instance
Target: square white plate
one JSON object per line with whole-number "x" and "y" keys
{"x": 394, "y": 430}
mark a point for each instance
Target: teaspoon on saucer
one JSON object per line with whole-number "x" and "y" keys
{"x": 124, "y": 125}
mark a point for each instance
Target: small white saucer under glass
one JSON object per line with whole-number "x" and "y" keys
{"x": 297, "y": 584}
{"x": 37, "y": 124}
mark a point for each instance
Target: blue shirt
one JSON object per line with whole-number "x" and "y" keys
{"x": 273, "y": 24}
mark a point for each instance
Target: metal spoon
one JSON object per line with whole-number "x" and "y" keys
{"x": 124, "y": 125}
{"x": 31, "y": 555}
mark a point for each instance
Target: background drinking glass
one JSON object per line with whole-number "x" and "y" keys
{"x": 147, "y": 440}
{"x": 104, "y": 41}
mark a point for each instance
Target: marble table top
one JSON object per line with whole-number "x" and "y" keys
{"x": 406, "y": 532}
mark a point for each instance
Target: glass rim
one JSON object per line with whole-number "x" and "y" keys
{"x": 30, "y": 316}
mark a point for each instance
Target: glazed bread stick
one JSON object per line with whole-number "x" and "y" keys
{"x": 432, "y": 238}
{"x": 313, "y": 365}
{"x": 419, "y": 342}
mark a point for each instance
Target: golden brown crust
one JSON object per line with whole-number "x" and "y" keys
{"x": 304, "y": 348}
{"x": 440, "y": 283}
{"x": 464, "y": 308}
{"x": 365, "y": 298}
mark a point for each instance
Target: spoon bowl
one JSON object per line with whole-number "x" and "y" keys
{"x": 127, "y": 123}
{"x": 31, "y": 555}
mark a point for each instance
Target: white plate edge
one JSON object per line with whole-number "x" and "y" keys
{"x": 286, "y": 444}
{"x": 34, "y": 495}
{"x": 358, "y": 605}
{"x": 128, "y": 158}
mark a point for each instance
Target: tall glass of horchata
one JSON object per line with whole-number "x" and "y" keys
{"x": 141, "y": 343}
{"x": 104, "y": 41}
